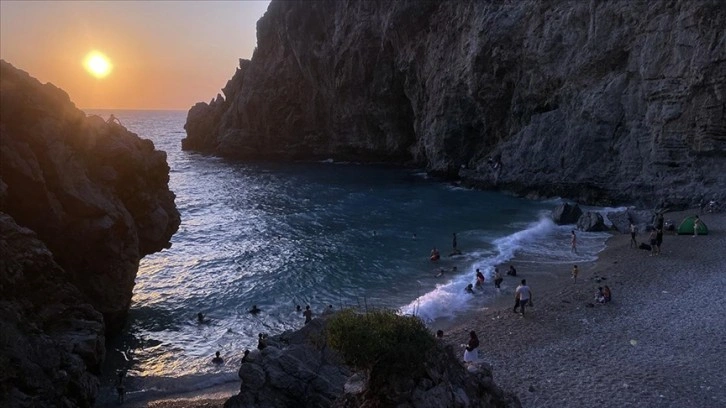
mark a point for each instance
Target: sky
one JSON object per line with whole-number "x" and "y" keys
{"x": 164, "y": 54}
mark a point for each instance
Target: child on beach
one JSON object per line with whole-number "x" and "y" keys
{"x": 512, "y": 271}
{"x": 653, "y": 243}
{"x": 575, "y": 272}
{"x": 573, "y": 243}
{"x": 633, "y": 242}
{"x": 523, "y": 295}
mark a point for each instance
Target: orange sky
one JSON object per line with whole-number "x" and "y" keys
{"x": 165, "y": 54}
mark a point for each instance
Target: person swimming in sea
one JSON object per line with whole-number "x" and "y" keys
{"x": 469, "y": 288}
{"x": 440, "y": 274}
{"x": 435, "y": 255}
{"x": 217, "y": 359}
{"x": 255, "y": 310}
{"x": 200, "y": 317}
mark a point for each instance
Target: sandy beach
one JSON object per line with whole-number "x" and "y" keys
{"x": 659, "y": 343}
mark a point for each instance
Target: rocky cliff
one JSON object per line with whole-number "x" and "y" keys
{"x": 619, "y": 101}
{"x": 82, "y": 201}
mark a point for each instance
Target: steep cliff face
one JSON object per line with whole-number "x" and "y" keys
{"x": 81, "y": 201}
{"x": 597, "y": 101}
{"x": 96, "y": 194}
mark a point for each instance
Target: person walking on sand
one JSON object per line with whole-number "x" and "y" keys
{"x": 653, "y": 242}
{"x": 525, "y": 295}
{"x": 575, "y": 272}
{"x": 573, "y": 243}
{"x": 696, "y": 226}
{"x": 633, "y": 242}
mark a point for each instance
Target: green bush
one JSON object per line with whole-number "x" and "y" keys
{"x": 380, "y": 341}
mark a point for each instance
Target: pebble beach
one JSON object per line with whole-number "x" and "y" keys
{"x": 661, "y": 342}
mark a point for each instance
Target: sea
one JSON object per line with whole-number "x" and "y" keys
{"x": 279, "y": 235}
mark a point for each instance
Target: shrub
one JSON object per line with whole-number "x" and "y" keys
{"x": 380, "y": 341}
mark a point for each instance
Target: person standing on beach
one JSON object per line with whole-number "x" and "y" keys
{"x": 696, "y": 226}
{"x": 573, "y": 243}
{"x": 633, "y": 242}
{"x": 525, "y": 295}
{"x": 653, "y": 243}
{"x": 453, "y": 243}
{"x": 575, "y": 272}
{"x": 497, "y": 278}
{"x": 658, "y": 239}
{"x": 308, "y": 314}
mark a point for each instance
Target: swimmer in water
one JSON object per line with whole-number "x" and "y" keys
{"x": 255, "y": 310}
{"x": 440, "y": 274}
{"x": 217, "y": 359}
{"x": 469, "y": 288}
{"x": 200, "y": 317}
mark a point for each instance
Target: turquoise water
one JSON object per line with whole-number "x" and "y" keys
{"x": 318, "y": 234}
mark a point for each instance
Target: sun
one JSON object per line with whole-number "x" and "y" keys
{"x": 97, "y": 64}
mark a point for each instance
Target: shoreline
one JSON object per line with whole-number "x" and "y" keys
{"x": 658, "y": 343}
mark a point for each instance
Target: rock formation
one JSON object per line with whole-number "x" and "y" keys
{"x": 297, "y": 368}
{"x": 591, "y": 221}
{"x": 81, "y": 202}
{"x": 566, "y": 213}
{"x": 619, "y": 101}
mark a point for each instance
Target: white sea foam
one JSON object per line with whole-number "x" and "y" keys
{"x": 540, "y": 242}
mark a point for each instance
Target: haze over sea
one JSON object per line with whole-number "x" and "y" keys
{"x": 280, "y": 235}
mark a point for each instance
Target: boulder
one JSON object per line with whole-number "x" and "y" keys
{"x": 592, "y": 222}
{"x": 298, "y": 368}
{"x": 566, "y": 213}
{"x": 643, "y": 220}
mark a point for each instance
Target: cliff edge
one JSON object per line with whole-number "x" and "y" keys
{"x": 81, "y": 202}
{"x": 603, "y": 102}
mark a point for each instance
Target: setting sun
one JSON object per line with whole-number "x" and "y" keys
{"x": 97, "y": 64}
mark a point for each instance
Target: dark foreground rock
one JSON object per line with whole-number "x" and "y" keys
{"x": 51, "y": 336}
{"x": 599, "y": 102}
{"x": 81, "y": 202}
{"x": 298, "y": 369}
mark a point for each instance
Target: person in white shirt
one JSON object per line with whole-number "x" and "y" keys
{"x": 524, "y": 294}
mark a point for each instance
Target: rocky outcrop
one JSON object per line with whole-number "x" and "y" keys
{"x": 297, "y": 368}
{"x": 96, "y": 194}
{"x": 601, "y": 102}
{"x": 566, "y": 213}
{"x": 81, "y": 201}
{"x": 51, "y": 336}
{"x": 591, "y": 222}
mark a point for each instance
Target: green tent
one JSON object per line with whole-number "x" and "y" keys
{"x": 686, "y": 227}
